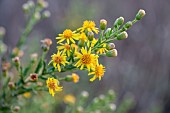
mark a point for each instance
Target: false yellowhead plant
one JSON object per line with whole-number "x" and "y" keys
{"x": 78, "y": 49}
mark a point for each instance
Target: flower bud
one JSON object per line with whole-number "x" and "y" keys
{"x": 112, "y": 107}
{"x": 34, "y": 77}
{"x": 85, "y": 94}
{"x": 4, "y": 71}
{"x": 79, "y": 109}
{"x": 47, "y": 41}
{"x": 141, "y": 13}
{"x": 127, "y": 26}
{"x": 122, "y": 35}
{"x": 16, "y": 61}
{"x": 119, "y": 21}
{"x": 108, "y": 32}
{"x": 101, "y": 97}
{"x": 25, "y": 8}
{"x": 34, "y": 57}
{"x": 81, "y": 43}
{"x": 68, "y": 78}
{"x": 112, "y": 53}
{"x": 16, "y": 108}
{"x": 3, "y": 47}
{"x": 30, "y": 3}
{"x": 11, "y": 85}
{"x": 17, "y": 52}
{"x": 46, "y": 44}
{"x": 42, "y": 3}
{"x": 37, "y": 16}
{"x": 75, "y": 77}
{"x": 2, "y": 31}
{"x": 46, "y": 14}
{"x": 90, "y": 36}
{"x": 96, "y": 100}
{"x": 103, "y": 24}
{"x": 110, "y": 46}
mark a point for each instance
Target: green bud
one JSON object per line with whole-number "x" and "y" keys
{"x": 69, "y": 78}
{"x": 90, "y": 36}
{"x": 37, "y": 16}
{"x": 46, "y": 14}
{"x": 43, "y": 3}
{"x": 128, "y": 25}
{"x": 119, "y": 21}
{"x": 81, "y": 43}
{"x": 122, "y": 35}
{"x": 2, "y": 31}
{"x": 108, "y": 32}
{"x": 34, "y": 57}
{"x": 25, "y": 8}
{"x": 16, "y": 61}
{"x": 141, "y": 13}
{"x": 30, "y": 3}
{"x": 85, "y": 94}
{"x": 103, "y": 24}
{"x": 110, "y": 46}
{"x": 112, "y": 53}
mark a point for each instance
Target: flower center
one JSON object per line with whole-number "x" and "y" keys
{"x": 57, "y": 59}
{"x": 99, "y": 71}
{"x": 52, "y": 85}
{"x": 86, "y": 59}
{"x": 68, "y": 33}
{"x": 67, "y": 47}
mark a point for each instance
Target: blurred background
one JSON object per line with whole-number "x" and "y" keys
{"x": 142, "y": 68}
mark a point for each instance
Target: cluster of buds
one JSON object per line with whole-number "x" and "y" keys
{"x": 37, "y": 7}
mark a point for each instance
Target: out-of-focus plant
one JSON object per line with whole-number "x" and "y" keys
{"x": 77, "y": 49}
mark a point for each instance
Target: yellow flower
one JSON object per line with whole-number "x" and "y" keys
{"x": 68, "y": 35}
{"x": 89, "y": 26}
{"x": 27, "y": 94}
{"x": 58, "y": 59}
{"x": 83, "y": 37}
{"x": 52, "y": 84}
{"x": 102, "y": 50}
{"x": 85, "y": 59}
{"x": 98, "y": 72}
{"x": 65, "y": 47}
{"x": 75, "y": 77}
{"x": 69, "y": 99}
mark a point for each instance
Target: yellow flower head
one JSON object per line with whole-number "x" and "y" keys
{"x": 65, "y": 47}
{"x": 68, "y": 35}
{"x": 27, "y": 94}
{"x": 83, "y": 37}
{"x": 58, "y": 59}
{"x": 69, "y": 99}
{"x": 52, "y": 84}
{"x": 85, "y": 59}
{"x": 98, "y": 72}
{"x": 89, "y": 26}
{"x": 75, "y": 77}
